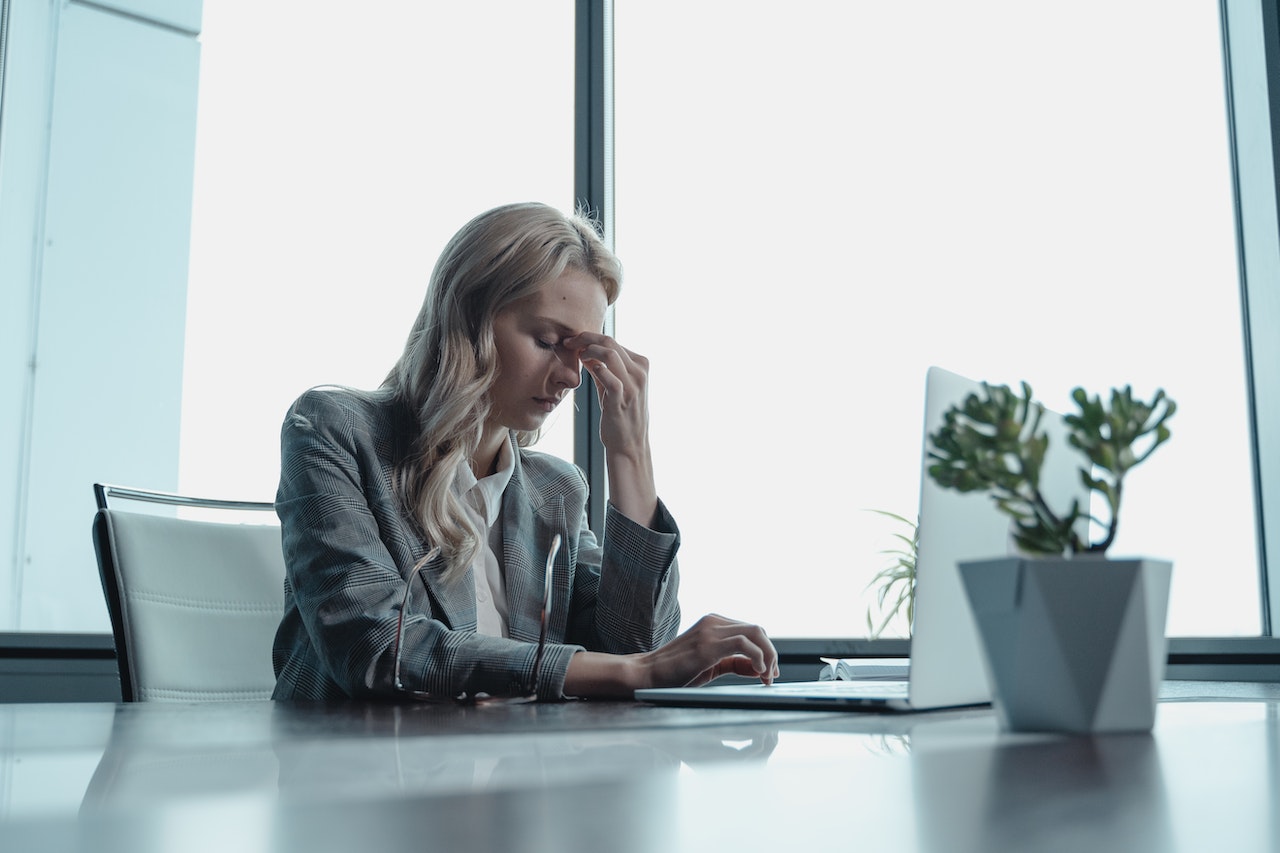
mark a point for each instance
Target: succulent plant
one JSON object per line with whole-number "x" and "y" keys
{"x": 993, "y": 442}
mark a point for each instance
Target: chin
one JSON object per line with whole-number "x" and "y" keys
{"x": 529, "y": 423}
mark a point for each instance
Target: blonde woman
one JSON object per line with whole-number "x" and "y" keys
{"x": 418, "y": 527}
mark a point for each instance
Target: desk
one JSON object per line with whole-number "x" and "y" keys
{"x": 606, "y": 776}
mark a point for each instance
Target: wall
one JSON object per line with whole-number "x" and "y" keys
{"x": 97, "y": 146}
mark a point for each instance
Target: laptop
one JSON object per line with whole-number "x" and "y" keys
{"x": 946, "y": 668}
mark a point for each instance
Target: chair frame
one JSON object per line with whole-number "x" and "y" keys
{"x": 104, "y": 493}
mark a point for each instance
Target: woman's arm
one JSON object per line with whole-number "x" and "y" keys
{"x": 622, "y": 382}
{"x": 626, "y": 588}
{"x": 714, "y": 646}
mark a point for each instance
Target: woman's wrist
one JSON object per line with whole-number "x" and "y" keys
{"x": 631, "y": 486}
{"x": 603, "y": 675}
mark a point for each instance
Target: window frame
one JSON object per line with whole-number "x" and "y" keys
{"x": 593, "y": 191}
{"x": 1253, "y": 125}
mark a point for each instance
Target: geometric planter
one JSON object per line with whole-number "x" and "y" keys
{"x": 1071, "y": 644}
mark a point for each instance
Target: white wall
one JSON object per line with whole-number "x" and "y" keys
{"x": 96, "y": 160}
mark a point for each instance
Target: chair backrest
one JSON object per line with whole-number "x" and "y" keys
{"x": 194, "y": 604}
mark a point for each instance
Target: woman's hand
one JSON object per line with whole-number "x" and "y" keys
{"x": 622, "y": 381}
{"x": 621, "y": 378}
{"x": 714, "y": 646}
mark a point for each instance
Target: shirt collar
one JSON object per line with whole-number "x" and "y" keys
{"x": 489, "y": 488}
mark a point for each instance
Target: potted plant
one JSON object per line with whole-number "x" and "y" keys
{"x": 1073, "y": 640}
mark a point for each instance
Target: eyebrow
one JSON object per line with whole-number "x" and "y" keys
{"x": 566, "y": 331}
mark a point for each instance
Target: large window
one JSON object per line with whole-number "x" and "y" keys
{"x": 813, "y": 202}
{"x": 338, "y": 149}
{"x": 816, "y": 201}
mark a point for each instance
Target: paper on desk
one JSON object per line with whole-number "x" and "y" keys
{"x": 864, "y": 669}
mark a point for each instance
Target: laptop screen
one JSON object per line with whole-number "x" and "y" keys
{"x": 946, "y": 657}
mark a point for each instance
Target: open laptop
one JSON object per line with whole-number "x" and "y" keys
{"x": 946, "y": 668}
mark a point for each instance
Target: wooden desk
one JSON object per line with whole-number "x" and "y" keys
{"x": 259, "y": 777}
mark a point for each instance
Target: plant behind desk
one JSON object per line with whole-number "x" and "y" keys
{"x": 897, "y": 581}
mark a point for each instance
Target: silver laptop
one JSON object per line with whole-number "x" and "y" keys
{"x": 946, "y": 668}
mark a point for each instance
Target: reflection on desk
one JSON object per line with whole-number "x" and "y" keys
{"x": 620, "y": 776}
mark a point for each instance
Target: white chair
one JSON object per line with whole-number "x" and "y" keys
{"x": 194, "y": 604}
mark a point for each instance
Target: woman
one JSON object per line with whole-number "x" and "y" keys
{"x": 426, "y": 482}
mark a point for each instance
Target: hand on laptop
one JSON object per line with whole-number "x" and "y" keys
{"x": 713, "y": 647}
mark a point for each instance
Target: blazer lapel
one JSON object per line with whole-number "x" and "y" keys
{"x": 529, "y": 522}
{"x": 456, "y": 599}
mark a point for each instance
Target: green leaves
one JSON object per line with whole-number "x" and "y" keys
{"x": 1107, "y": 436}
{"x": 987, "y": 441}
{"x": 897, "y": 581}
{"x": 992, "y": 442}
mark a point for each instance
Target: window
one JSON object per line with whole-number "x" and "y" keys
{"x": 337, "y": 153}
{"x": 817, "y": 201}
{"x": 904, "y": 170}
{"x": 336, "y": 150}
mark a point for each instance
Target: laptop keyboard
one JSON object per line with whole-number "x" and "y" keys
{"x": 887, "y": 689}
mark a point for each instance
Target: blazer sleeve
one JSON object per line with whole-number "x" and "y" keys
{"x": 344, "y": 586}
{"x": 627, "y": 587}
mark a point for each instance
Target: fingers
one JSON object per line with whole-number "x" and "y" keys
{"x": 713, "y": 647}
{"x": 608, "y": 384}
{"x": 587, "y": 339}
{"x": 618, "y": 363}
{"x": 621, "y": 378}
{"x": 734, "y": 665}
{"x": 752, "y": 641}
{"x": 728, "y": 646}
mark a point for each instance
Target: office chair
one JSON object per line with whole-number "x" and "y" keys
{"x": 194, "y": 604}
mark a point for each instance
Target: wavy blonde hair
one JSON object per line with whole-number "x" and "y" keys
{"x": 450, "y": 361}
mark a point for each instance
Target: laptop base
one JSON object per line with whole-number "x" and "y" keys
{"x": 859, "y": 696}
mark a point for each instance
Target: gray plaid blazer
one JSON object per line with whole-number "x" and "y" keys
{"x": 349, "y": 548}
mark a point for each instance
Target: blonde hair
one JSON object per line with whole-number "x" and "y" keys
{"x": 450, "y": 361}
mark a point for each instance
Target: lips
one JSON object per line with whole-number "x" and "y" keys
{"x": 547, "y": 404}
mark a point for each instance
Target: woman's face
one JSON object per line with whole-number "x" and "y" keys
{"x": 535, "y": 370}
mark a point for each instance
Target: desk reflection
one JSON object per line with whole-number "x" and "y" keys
{"x": 505, "y": 747}
{"x": 1038, "y": 793}
{"x": 637, "y": 778}
{"x": 307, "y": 753}
{"x": 318, "y": 778}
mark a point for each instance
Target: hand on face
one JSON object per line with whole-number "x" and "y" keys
{"x": 622, "y": 380}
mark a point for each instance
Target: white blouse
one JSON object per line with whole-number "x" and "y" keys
{"x": 483, "y": 501}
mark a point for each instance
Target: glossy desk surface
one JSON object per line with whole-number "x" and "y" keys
{"x": 621, "y": 776}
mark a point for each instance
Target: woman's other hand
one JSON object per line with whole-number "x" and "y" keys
{"x": 621, "y": 379}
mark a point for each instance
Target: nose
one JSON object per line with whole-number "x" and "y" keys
{"x": 568, "y": 369}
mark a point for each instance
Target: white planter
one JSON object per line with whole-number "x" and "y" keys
{"x": 1071, "y": 645}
